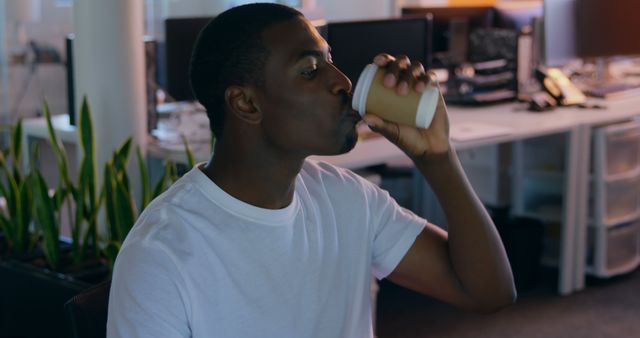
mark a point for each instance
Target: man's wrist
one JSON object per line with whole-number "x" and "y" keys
{"x": 444, "y": 158}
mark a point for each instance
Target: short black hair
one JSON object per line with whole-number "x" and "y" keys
{"x": 229, "y": 51}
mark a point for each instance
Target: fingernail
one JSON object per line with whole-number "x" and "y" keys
{"x": 389, "y": 80}
{"x": 368, "y": 122}
{"x": 403, "y": 88}
{"x": 420, "y": 87}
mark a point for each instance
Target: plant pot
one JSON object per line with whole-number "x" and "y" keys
{"x": 32, "y": 298}
{"x": 4, "y": 249}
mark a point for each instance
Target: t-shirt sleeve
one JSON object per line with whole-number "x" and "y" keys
{"x": 145, "y": 299}
{"x": 394, "y": 232}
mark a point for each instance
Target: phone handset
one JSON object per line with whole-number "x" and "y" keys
{"x": 558, "y": 85}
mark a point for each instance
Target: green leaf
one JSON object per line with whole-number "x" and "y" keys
{"x": 45, "y": 219}
{"x": 160, "y": 186}
{"x": 111, "y": 252}
{"x": 7, "y": 228}
{"x": 172, "y": 171}
{"x": 126, "y": 209}
{"x": 85, "y": 130}
{"x": 14, "y": 207}
{"x": 109, "y": 197}
{"x": 121, "y": 157}
{"x": 79, "y": 199}
{"x": 25, "y": 210}
{"x": 3, "y": 170}
{"x": 16, "y": 146}
{"x": 88, "y": 165}
{"x": 58, "y": 149}
{"x": 144, "y": 179}
{"x": 190, "y": 160}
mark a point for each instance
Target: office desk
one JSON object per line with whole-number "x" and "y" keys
{"x": 36, "y": 129}
{"x": 522, "y": 125}
{"x": 575, "y": 122}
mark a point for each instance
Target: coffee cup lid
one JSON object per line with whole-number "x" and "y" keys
{"x": 361, "y": 92}
{"x": 427, "y": 106}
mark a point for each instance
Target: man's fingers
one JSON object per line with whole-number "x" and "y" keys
{"x": 383, "y": 59}
{"x": 402, "y": 74}
{"x": 394, "y": 74}
{"x": 387, "y": 129}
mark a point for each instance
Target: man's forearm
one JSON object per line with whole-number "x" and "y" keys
{"x": 475, "y": 249}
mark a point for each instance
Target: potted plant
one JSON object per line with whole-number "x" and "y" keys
{"x": 39, "y": 272}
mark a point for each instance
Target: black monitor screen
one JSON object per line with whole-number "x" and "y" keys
{"x": 151, "y": 74}
{"x": 354, "y": 44}
{"x": 180, "y": 37}
{"x": 608, "y": 28}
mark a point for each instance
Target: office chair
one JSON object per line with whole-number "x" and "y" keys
{"x": 87, "y": 311}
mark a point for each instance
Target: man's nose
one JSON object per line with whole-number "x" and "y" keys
{"x": 341, "y": 82}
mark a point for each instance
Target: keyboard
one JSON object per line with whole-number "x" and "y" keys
{"x": 614, "y": 90}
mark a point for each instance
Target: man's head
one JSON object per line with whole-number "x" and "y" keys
{"x": 229, "y": 51}
{"x": 264, "y": 71}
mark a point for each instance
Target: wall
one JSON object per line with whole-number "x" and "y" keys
{"x": 46, "y": 80}
{"x": 336, "y": 10}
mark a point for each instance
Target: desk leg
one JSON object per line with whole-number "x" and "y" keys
{"x": 582, "y": 206}
{"x": 573, "y": 176}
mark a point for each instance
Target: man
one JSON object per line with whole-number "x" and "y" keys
{"x": 259, "y": 241}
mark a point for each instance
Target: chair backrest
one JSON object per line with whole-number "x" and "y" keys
{"x": 87, "y": 311}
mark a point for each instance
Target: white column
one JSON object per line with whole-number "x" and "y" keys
{"x": 109, "y": 69}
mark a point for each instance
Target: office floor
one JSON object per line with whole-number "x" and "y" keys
{"x": 606, "y": 308}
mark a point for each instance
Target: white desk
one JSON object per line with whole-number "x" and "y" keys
{"x": 576, "y": 122}
{"x": 36, "y": 128}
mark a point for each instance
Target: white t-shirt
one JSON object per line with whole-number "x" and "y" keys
{"x": 201, "y": 263}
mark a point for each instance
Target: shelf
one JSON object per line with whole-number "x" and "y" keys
{"x": 622, "y": 269}
{"x": 549, "y": 216}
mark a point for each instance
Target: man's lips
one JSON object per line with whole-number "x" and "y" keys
{"x": 349, "y": 113}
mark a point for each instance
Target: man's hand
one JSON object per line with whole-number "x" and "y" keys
{"x": 415, "y": 142}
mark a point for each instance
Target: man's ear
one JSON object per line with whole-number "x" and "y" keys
{"x": 242, "y": 104}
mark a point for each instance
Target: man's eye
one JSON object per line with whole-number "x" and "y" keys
{"x": 309, "y": 73}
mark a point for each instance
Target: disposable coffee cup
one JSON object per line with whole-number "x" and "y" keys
{"x": 371, "y": 96}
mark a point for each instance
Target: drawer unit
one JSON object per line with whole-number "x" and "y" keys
{"x": 617, "y": 149}
{"x": 613, "y": 250}
{"x": 617, "y": 200}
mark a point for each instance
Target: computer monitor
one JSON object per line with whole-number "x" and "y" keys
{"x": 71, "y": 88}
{"x": 559, "y": 32}
{"x": 151, "y": 74}
{"x": 608, "y": 28}
{"x": 180, "y": 37}
{"x": 449, "y": 20}
{"x": 355, "y": 43}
